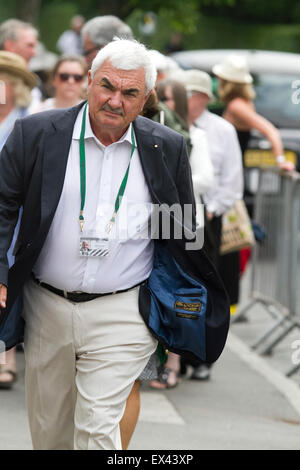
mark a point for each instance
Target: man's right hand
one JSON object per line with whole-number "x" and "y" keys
{"x": 3, "y": 296}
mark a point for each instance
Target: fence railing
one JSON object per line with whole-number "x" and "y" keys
{"x": 275, "y": 263}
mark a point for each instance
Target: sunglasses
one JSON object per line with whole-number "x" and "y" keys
{"x": 64, "y": 77}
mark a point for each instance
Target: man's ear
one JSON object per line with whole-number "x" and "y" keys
{"x": 146, "y": 98}
{"x": 89, "y": 77}
{"x": 9, "y": 45}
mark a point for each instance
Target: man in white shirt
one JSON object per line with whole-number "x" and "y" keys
{"x": 224, "y": 148}
{"x": 70, "y": 41}
{"x": 85, "y": 339}
{"x": 223, "y": 144}
{"x": 226, "y": 158}
{"x": 85, "y": 346}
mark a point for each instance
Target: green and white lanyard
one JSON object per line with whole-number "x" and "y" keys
{"x": 83, "y": 176}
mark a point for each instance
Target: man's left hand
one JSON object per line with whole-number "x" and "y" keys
{"x": 3, "y": 296}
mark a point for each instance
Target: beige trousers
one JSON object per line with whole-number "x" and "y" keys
{"x": 81, "y": 362}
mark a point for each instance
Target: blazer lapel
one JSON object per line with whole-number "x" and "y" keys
{"x": 55, "y": 157}
{"x": 161, "y": 185}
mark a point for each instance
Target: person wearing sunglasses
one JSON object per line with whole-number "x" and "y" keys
{"x": 68, "y": 80}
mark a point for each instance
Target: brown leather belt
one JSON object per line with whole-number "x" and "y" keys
{"x": 78, "y": 296}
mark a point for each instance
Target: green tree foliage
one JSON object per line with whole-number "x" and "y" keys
{"x": 275, "y": 11}
{"x": 185, "y": 13}
{"x": 181, "y": 15}
{"x": 203, "y": 23}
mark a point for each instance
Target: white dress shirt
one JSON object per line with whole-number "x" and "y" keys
{"x": 226, "y": 158}
{"x": 202, "y": 169}
{"x": 130, "y": 256}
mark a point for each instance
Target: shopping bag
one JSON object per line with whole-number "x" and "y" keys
{"x": 237, "y": 230}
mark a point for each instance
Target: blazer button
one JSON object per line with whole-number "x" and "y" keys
{"x": 28, "y": 245}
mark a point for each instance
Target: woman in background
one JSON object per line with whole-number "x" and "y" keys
{"x": 16, "y": 85}
{"x": 236, "y": 91}
{"x": 68, "y": 81}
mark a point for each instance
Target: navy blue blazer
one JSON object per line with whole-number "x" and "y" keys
{"x": 32, "y": 171}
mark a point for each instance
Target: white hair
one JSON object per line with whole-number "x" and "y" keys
{"x": 126, "y": 54}
{"x": 163, "y": 63}
{"x": 9, "y": 30}
{"x": 102, "y": 29}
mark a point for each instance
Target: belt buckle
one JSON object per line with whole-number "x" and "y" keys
{"x": 67, "y": 294}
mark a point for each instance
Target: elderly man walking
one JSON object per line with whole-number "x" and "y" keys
{"x": 85, "y": 340}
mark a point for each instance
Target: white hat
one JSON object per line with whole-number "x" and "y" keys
{"x": 196, "y": 80}
{"x": 234, "y": 68}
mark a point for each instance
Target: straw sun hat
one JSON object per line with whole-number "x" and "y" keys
{"x": 234, "y": 68}
{"x": 16, "y": 65}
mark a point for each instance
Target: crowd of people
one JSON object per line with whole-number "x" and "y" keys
{"x": 180, "y": 100}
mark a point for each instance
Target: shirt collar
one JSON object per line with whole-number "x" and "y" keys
{"x": 202, "y": 117}
{"x": 126, "y": 137}
{"x": 77, "y": 126}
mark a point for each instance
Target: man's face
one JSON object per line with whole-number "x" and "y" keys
{"x": 24, "y": 45}
{"x": 115, "y": 97}
{"x": 90, "y": 50}
{"x": 197, "y": 102}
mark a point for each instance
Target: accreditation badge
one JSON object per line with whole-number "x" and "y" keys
{"x": 95, "y": 247}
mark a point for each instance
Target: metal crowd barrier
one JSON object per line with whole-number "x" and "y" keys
{"x": 275, "y": 262}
